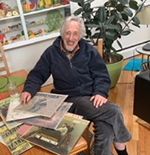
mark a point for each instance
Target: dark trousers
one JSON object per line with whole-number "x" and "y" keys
{"x": 108, "y": 122}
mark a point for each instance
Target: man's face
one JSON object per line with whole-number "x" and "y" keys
{"x": 71, "y": 35}
{"x": 64, "y": 125}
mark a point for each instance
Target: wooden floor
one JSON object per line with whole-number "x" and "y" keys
{"x": 122, "y": 95}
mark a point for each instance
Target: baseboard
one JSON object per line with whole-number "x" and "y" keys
{"x": 131, "y": 51}
{"x": 143, "y": 123}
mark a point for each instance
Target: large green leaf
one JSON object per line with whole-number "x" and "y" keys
{"x": 136, "y": 20}
{"x": 109, "y": 20}
{"x": 77, "y": 1}
{"x": 133, "y": 4}
{"x": 123, "y": 2}
{"x": 78, "y": 11}
{"x": 81, "y": 3}
{"x": 120, "y": 7}
{"x": 92, "y": 25}
{"x": 102, "y": 14}
{"x": 128, "y": 12}
{"x": 126, "y": 32}
{"x": 86, "y": 15}
{"x": 118, "y": 16}
{"x": 137, "y": 25}
{"x": 124, "y": 17}
{"x": 118, "y": 42}
{"x": 111, "y": 26}
{"x": 110, "y": 35}
{"x": 111, "y": 3}
{"x": 101, "y": 28}
{"x": 87, "y": 7}
{"x": 96, "y": 35}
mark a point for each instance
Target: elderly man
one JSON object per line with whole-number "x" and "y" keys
{"x": 79, "y": 71}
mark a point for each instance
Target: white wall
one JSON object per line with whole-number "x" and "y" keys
{"x": 25, "y": 57}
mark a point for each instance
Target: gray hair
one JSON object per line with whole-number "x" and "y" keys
{"x": 79, "y": 20}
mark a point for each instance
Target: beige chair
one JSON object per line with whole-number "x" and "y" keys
{"x": 3, "y": 63}
{"x": 99, "y": 47}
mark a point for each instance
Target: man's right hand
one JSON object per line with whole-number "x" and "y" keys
{"x": 25, "y": 97}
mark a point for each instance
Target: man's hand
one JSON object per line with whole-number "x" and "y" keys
{"x": 25, "y": 97}
{"x": 98, "y": 100}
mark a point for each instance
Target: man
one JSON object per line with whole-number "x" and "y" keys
{"x": 79, "y": 71}
{"x": 63, "y": 129}
{"x": 70, "y": 127}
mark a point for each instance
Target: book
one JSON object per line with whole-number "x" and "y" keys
{"x": 23, "y": 128}
{"x": 60, "y": 140}
{"x": 43, "y": 104}
{"x": 52, "y": 122}
{"x": 15, "y": 144}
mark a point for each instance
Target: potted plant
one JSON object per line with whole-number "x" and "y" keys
{"x": 109, "y": 22}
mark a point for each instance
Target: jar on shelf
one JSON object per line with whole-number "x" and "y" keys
{"x": 56, "y": 3}
{"x": 26, "y": 7}
{"x": 48, "y": 3}
{"x": 41, "y": 4}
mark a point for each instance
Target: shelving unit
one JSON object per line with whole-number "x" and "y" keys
{"x": 25, "y": 19}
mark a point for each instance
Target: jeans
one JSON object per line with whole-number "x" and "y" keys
{"x": 108, "y": 122}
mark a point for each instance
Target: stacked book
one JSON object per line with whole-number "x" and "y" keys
{"x": 44, "y": 121}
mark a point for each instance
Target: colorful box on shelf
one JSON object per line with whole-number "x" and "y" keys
{"x": 28, "y": 7}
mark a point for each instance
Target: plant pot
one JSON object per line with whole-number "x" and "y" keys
{"x": 114, "y": 71}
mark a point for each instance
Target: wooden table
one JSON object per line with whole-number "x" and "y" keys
{"x": 81, "y": 145}
{"x": 20, "y": 73}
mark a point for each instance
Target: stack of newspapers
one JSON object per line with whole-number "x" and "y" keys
{"x": 44, "y": 121}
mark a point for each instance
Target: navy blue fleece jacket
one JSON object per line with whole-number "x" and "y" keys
{"x": 84, "y": 75}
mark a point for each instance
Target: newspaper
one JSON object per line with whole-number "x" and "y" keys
{"x": 16, "y": 115}
{"x": 4, "y": 104}
{"x": 43, "y": 104}
{"x": 46, "y": 122}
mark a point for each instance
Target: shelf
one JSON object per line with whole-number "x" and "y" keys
{"x": 7, "y": 18}
{"x": 31, "y": 41}
{"x": 45, "y": 10}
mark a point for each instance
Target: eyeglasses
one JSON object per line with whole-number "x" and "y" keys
{"x": 7, "y": 81}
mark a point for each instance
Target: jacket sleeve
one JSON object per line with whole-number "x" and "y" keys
{"x": 99, "y": 74}
{"x": 38, "y": 75}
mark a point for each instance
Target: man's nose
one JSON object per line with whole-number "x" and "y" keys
{"x": 71, "y": 37}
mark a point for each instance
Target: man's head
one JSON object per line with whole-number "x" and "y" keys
{"x": 64, "y": 124}
{"x": 72, "y": 30}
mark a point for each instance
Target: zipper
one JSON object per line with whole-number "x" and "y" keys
{"x": 70, "y": 63}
